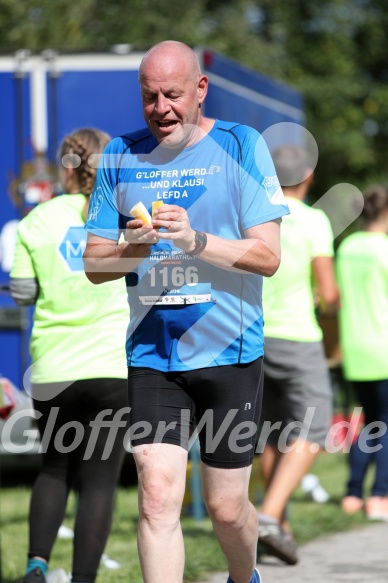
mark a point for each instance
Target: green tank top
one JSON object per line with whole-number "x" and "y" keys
{"x": 79, "y": 329}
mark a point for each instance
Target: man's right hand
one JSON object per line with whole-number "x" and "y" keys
{"x": 140, "y": 238}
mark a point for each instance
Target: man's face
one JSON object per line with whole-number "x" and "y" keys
{"x": 171, "y": 97}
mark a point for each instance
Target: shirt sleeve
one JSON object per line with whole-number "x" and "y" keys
{"x": 24, "y": 287}
{"x": 23, "y": 266}
{"x": 103, "y": 217}
{"x": 24, "y": 290}
{"x": 262, "y": 197}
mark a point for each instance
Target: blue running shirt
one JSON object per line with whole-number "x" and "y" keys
{"x": 185, "y": 313}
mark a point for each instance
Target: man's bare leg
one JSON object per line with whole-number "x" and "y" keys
{"x": 283, "y": 473}
{"x": 234, "y": 518}
{"x": 269, "y": 460}
{"x": 162, "y": 478}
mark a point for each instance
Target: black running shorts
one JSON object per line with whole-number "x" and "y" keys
{"x": 222, "y": 404}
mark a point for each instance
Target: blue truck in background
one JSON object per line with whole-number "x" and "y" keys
{"x": 44, "y": 97}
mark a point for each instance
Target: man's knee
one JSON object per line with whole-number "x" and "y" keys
{"x": 227, "y": 510}
{"x": 161, "y": 483}
{"x": 159, "y": 496}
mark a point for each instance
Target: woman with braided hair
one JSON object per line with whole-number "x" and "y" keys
{"x": 78, "y": 373}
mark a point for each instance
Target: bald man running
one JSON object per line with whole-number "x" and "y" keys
{"x": 194, "y": 276}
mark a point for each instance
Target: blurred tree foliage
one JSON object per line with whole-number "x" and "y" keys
{"x": 332, "y": 50}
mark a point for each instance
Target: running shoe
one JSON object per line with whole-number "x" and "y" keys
{"x": 34, "y": 576}
{"x": 276, "y": 541}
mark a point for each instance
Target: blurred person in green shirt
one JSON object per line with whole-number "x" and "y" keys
{"x": 78, "y": 371}
{"x": 362, "y": 271}
{"x": 297, "y": 398}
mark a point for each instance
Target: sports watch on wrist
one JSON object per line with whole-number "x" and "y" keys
{"x": 200, "y": 243}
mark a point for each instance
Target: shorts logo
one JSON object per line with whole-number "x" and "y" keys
{"x": 273, "y": 190}
{"x": 247, "y": 406}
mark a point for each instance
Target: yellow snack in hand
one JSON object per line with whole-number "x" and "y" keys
{"x": 155, "y": 205}
{"x": 139, "y": 211}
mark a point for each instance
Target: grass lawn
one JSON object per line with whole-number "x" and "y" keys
{"x": 309, "y": 520}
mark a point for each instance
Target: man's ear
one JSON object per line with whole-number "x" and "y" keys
{"x": 203, "y": 83}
